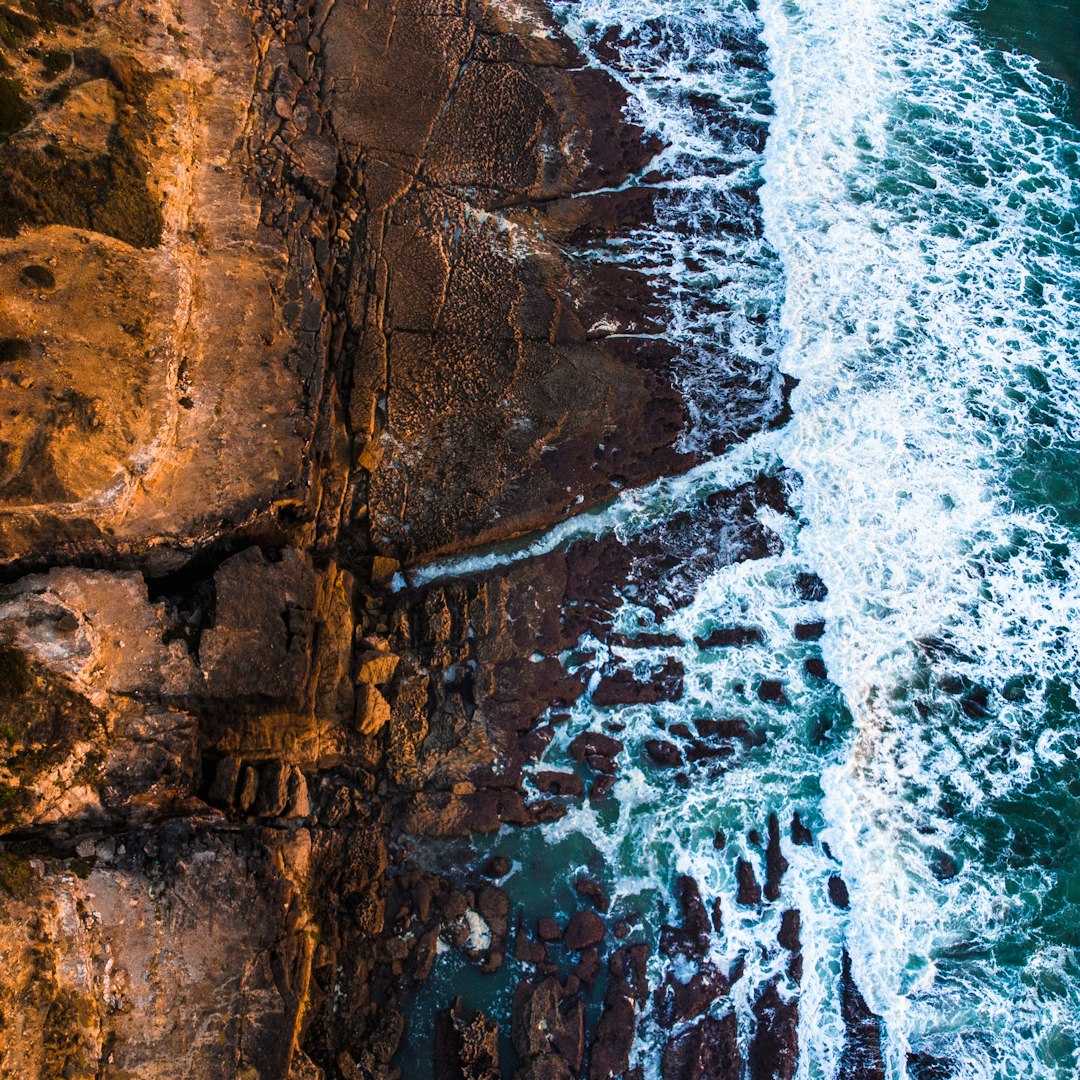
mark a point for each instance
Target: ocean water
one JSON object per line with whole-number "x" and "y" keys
{"x": 904, "y": 176}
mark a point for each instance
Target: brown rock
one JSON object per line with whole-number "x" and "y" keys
{"x": 774, "y": 1048}
{"x": 707, "y": 1051}
{"x": 584, "y": 929}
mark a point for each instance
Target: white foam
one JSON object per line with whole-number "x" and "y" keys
{"x": 907, "y": 322}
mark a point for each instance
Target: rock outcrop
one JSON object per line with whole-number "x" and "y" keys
{"x": 292, "y": 303}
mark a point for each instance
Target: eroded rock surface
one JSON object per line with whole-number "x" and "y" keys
{"x": 289, "y": 304}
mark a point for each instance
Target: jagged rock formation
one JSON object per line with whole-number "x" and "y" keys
{"x": 285, "y": 305}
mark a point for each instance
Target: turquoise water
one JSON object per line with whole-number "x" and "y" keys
{"x": 912, "y": 257}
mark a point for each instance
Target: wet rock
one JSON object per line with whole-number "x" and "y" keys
{"x": 559, "y": 783}
{"x": 493, "y": 906}
{"x": 775, "y": 863}
{"x": 788, "y": 937}
{"x": 526, "y": 949}
{"x": 809, "y": 586}
{"x": 709, "y": 1050}
{"x": 679, "y": 1002}
{"x": 927, "y": 1067}
{"x": 545, "y": 1025}
{"x": 944, "y": 866}
{"x": 810, "y": 631}
{"x": 601, "y": 764}
{"x": 498, "y": 866}
{"x": 800, "y": 834}
{"x": 838, "y": 892}
{"x": 601, "y": 788}
{"x": 584, "y": 929}
{"x": 717, "y": 916}
{"x": 591, "y": 743}
{"x": 719, "y": 840}
{"x": 466, "y": 1045}
{"x": 692, "y": 937}
{"x": 729, "y": 729}
{"x": 622, "y": 687}
{"x": 547, "y": 929}
{"x": 861, "y": 1058}
{"x": 774, "y": 1048}
{"x": 771, "y": 690}
{"x": 645, "y": 641}
{"x": 592, "y": 889}
{"x": 588, "y": 966}
{"x": 609, "y": 1055}
{"x": 663, "y": 753}
{"x": 749, "y": 891}
{"x": 727, "y": 636}
{"x": 815, "y": 667}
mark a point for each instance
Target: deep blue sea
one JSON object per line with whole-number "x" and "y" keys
{"x": 911, "y": 255}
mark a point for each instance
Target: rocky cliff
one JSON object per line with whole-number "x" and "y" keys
{"x": 291, "y": 300}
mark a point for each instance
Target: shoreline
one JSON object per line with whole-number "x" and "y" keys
{"x": 367, "y": 336}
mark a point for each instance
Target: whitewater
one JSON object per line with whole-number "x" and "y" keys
{"x": 907, "y": 250}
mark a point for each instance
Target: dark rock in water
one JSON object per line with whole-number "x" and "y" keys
{"x": 800, "y": 834}
{"x": 702, "y": 751}
{"x": 681, "y": 730}
{"x": 810, "y": 587}
{"x": 749, "y": 891}
{"x": 663, "y": 753}
{"x": 614, "y": 1038}
{"x": 493, "y": 906}
{"x": 540, "y": 811}
{"x": 717, "y": 917}
{"x": 707, "y": 1051}
{"x": 542, "y": 1028}
{"x": 548, "y": 1067}
{"x": 645, "y": 641}
{"x": 928, "y": 1067}
{"x": 466, "y": 1045}
{"x": 559, "y": 783}
{"x": 621, "y": 687}
{"x": 775, "y": 863}
{"x": 692, "y": 937}
{"x": 944, "y": 866}
{"x": 730, "y": 635}
{"x": 496, "y": 867}
{"x": 588, "y": 967}
{"x": 593, "y": 890}
{"x": 601, "y": 763}
{"x": 547, "y": 929}
{"x": 838, "y": 891}
{"x": 788, "y": 937}
{"x": 610, "y": 1052}
{"x": 815, "y": 666}
{"x": 774, "y": 1049}
{"x": 631, "y": 963}
{"x": 810, "y": 631}
{"x": 584, "y": 929}
{"x": 533, "y": 743}
{"x": 601, "y": 788}
{"x": 772, "y": 690}
{"x": 683, "y": 781}
{"x": 719, "y": 840}
{"x": 679, "y": 1002}
{"x": 729, "y": 729}
{"x": 594, "y": 742}
{"x": 527, "y": 950}
{"x": 861, "y": 1059}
